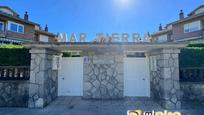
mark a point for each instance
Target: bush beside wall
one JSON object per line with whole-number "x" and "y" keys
{"x": 192, "y": 56}
{"x": 12, "y": 55}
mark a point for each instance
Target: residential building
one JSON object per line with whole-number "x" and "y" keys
{"x": 16, "y": 30}
{"x": 184, "y": 29}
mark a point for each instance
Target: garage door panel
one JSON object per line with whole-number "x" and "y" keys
{"x": 136, "y": 77}
{"x": 71, "y": 77}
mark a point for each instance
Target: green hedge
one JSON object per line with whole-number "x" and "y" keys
{"x": 192, "y": 56}
{"x": 12, "y": 55}
{"x": 196, "y": 45}
{"x": 69, "y": 54}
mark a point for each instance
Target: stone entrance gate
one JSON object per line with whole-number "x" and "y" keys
{"x": 105, "y": 68}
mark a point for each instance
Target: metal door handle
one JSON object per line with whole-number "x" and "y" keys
{"x": 63, "y": 78}
{"x": 143, "y": 79}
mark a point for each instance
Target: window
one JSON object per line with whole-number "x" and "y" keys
{"x": 43, "y": 38}
{"x": 20, "y": 29}
{"x": 1, "y": 26}
{"x": 14, "y": 27}
{"x": 162, "y": 38}
{"x": 192, "y": 27}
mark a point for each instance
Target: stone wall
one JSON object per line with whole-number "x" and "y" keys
{"x": 13, "y": 93}
{"x": 43, "y": 80}
{"x": 193, "y": 91}
{"x": 103, "y": 77}
{"x": 164, "y": 78}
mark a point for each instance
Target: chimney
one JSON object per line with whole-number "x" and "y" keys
{"x": 181, "y": 15}
{"x": 160, "y": 27}
{"x": 26, "y": 16}
{"x": 46, "y": 28}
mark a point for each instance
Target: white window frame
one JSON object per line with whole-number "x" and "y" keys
{"x": 9, "y": 26}
{"x": 2, "y": 29}
{"x": 192, "y": 27}
{"x": 162, "y": 38}
{"x": 43, "y": 38}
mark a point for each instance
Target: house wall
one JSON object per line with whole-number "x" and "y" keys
{"x": 103, "y": 76}
{"x": 14, "y": 93}
{"x": 52, "y": 39}
{"x": 178, "y": 30}
{"x": 28, "y": 29}
{"x": 166, "y": 37}
{"x": 28, "y": 32}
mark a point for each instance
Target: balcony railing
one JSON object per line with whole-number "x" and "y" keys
{"x": 14, "y": 72}
{"x": 2, "y": 33}
{"x": 195, "y": 74}
{"x": 26, "y": 36}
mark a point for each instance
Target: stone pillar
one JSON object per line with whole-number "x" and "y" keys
{"x": 164, "y": 74}
{"x": 43, "y": 80}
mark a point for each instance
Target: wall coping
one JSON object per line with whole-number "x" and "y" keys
{"x": 88, "y": 46}
{"x": 44, "y": 51}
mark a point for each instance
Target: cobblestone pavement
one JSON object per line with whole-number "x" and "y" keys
{"x": 78, "y": 106}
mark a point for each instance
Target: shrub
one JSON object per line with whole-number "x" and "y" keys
{"x": 12, "y": 55}
{"x": 196, "y": 45}
{"x": 192, "y": 56}
{"x": 70, "y": 54}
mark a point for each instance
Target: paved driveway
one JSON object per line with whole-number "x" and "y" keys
{"x": 77, "y": 106}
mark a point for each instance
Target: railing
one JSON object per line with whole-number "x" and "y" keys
{"x": 14, "y": 72}
{"x": 193, "y": 74}
{"x": 9, "y": 34}
{"x": 2, "y": 33}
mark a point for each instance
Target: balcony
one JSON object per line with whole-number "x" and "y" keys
{"x": 2, "y": 34}
{"x": 17, "y": 36}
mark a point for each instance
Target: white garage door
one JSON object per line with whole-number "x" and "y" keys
{"x": 70, "y": 78}
{"x": 136, "y": 77}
